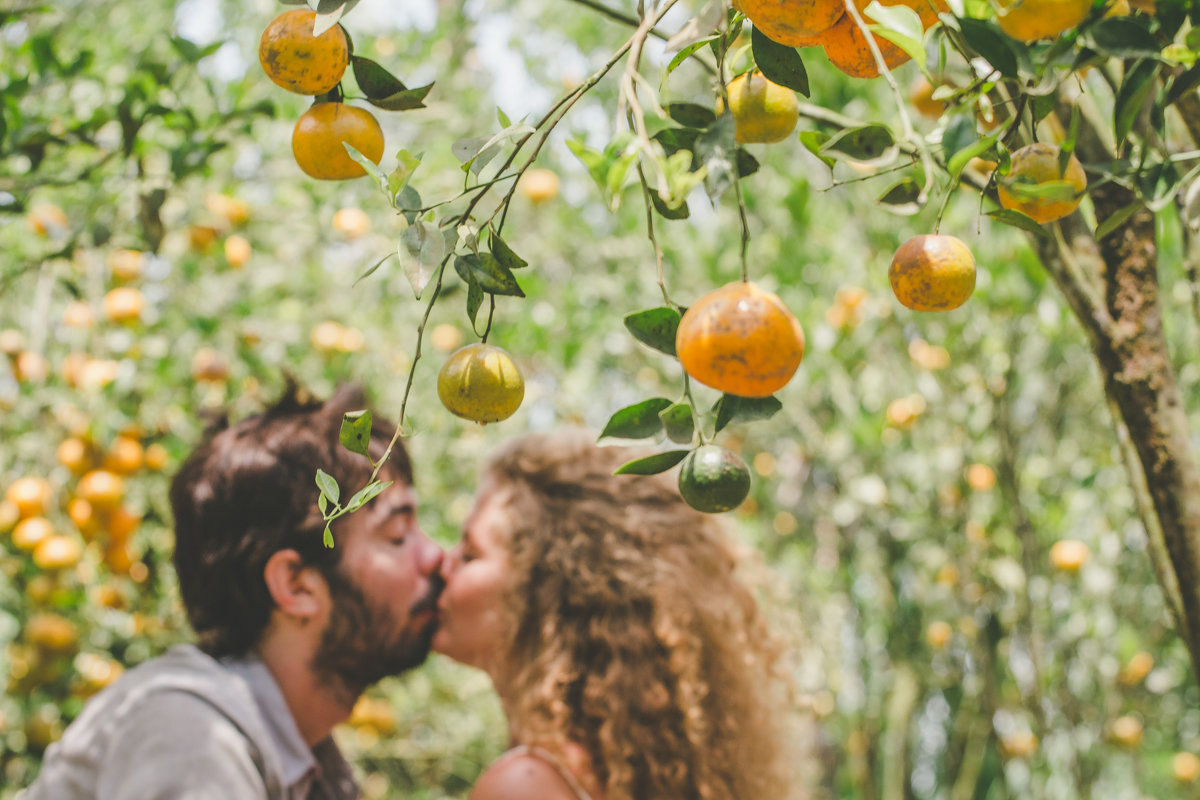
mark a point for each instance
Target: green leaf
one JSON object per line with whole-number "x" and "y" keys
{"x": 679, "y": 212}
{"x": 474, "y": 299}
{"x": 1184, "y": 82}
{"x": 372, "y": 269}
{"x": 366, "y": 495}
{"x": 715, "y": 149}
{"x": 608, "y": 169}
{"x": 1017, "y": 220}
{"x": 421, "y": 249}
{"x": 328, "y": 537}
{"x": 328, "y": 485}
{"x": 637, "y": 421}
{"x": 652, "y": 465}
{"x": 679, "y": 423}
{"x": 397, "y": 179}
{"x": 503, "y": 253}
{"x": 902, "y": 198}
{"x": 779, "y": 63}
{"x": 747, "y": 164}
{"x": 489, "y": 274}
{"x": 731, "y": 408}
{"x": 685, "y": 53}
{"x": 691, "y": 115}
{"x": 370, "y": 166}
{"x": 406, "y": 100}
{"x": 1115, "y": 220}
{"x": 813, "y": 141}
{"x": 901, "y": 26}
{"x": 675, "y": 139}
{"x": 374, "y": 80}
{"x": 871, "y": 144}
{"x": 1131, "y": 97}
{"x": 1123, "y": 37}
{"x": 408, "y": 203}
{"x": 355, "y": 434}
{"x": 323, "y": 503}
{"x": 655, "y": 327}
{"x": 958, "y": 162}
{"x": 988, "y": 41}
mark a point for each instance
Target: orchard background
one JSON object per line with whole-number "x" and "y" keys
{"x": 908, "y": 493}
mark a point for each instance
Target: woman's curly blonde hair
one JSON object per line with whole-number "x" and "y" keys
{"x": 634, "y": 636}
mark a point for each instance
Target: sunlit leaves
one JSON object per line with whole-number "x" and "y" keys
{"x": 638, "y": 421}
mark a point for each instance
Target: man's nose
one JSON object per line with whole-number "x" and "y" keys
{"x": 432, "y": 558}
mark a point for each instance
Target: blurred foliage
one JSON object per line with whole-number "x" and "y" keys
{"x": 908, "y": 494}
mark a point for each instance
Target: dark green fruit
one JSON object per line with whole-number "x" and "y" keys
{"x": 713, "y": 479}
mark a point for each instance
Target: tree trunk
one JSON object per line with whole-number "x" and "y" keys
{"x": 1112, "y": 287}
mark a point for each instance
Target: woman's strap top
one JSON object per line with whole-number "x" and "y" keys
{"x": 552, "y": 760}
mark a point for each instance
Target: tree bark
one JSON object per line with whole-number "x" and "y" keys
{"x": 1112, "y": 287}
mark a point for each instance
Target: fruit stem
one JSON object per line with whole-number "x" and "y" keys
{"x": 696, "y": 421}
{"x": 658, "y": 256}
{"x": 722, "y": 51}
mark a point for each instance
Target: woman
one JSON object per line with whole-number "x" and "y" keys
{"x": 631, "y": 661}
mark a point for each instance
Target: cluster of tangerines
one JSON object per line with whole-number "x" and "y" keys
{"x": 931, "y": 272}
{"x": 300, "y": 62}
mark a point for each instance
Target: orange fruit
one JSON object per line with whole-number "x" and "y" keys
{"x": 237, "y": 250}
{"x": 48, "y": 220}
{"x": 848, "y": 50}
{"x": 539, "y": 185}
{"x": 740, "y": 339}
{"x": 126, "y": 265}
{"x": 201, "y": 237}
{"x": 1019, "y": 744}
{"x": 9, "y": 516}
{"x": 101, "y": 488}
{"x": 156, "y": 457}
{"x": 122, "y": 523}
{"x": 482, "y": 383}
{"x": 1185, "y": 767}
{"x": 1030, "y": 20}
{"x": 351, "y": 222}
{"x": 1069, "y": 555}
{"x": 124, "y": 304}
{"x": 31, "y": 495}
{"x": 119, "y": 558}
{"x": 762, "y": 111}
{"x": 1035, "y": 186}
{"x": 713, "y": 479}
{"x": 298, "y": 61}
{"x": 31, "y": 367}
{"x": 318, "y": 136}
{"x": 932, "y": 273}
{"x": 51, "y": 633}
{"x": 31, "y": 532}
{"x": 78, "y": 314}
{"x": 1136, "y": 670}
{"x": 326, "y": 336}
{"x": 209, "y": 366}
{"x": 57, "y": 552}
{"x": 84, "y": 517}
{"x": 792, "y": 22}
{"x": 235, "y": 211}
{"x": 938, "y": 634}
{"x": 921, "y": 96}
{"x": 124, "y": 456}
{"x": 981, "y": 477}
{"x": 12, "y": 342}
{"x": 1126, "y": 731}
{"x": 76, "y": 455}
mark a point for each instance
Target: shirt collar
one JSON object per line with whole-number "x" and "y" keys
{"x": 296, "y": 760}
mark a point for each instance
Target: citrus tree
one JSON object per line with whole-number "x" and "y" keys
{"x": 987, "y": 543}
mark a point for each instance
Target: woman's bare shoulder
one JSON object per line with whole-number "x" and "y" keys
{"x": 522, "y": 776}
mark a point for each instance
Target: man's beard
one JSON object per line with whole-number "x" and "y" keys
{"x": 363, "y": 644}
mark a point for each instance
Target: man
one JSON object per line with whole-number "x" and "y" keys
{"x": 289, "y": 632}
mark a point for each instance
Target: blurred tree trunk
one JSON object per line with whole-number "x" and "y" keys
{"x": 1112, "y": 287}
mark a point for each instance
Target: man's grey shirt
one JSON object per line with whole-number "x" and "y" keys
{"x": 188, "y": 727}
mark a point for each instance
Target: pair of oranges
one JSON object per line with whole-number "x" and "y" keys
{"x": 314, "y": 65}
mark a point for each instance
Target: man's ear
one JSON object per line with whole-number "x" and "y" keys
{"x": 298, "y": 589}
